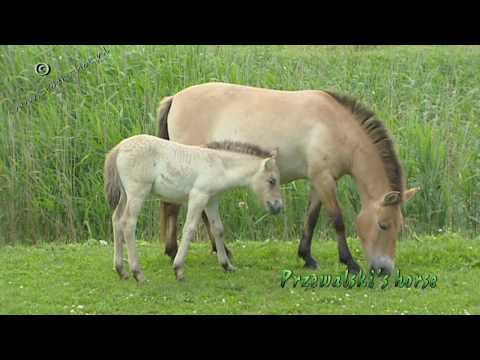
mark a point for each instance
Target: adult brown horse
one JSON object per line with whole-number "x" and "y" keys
{"x": 321, "y": 136}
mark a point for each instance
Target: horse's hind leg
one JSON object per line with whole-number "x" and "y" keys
{"x": 211, "y": 237}
{"x": 171, "y": 213}
{"x": 305, "y": 246}
{"x": 213, "y": 217}
{"x": 326, "y": 187}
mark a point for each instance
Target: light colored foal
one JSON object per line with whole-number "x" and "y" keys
{"x": 145, "y": 164}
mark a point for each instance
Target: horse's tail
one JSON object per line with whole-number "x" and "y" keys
{"x": 163, "y": 111}
{"x": 114, "y": 190}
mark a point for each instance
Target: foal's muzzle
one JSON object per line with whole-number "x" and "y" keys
{"x": 275, "y": 206}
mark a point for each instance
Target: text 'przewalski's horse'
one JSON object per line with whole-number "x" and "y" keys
{"x": 145, "y": 164}
{"x": 321, "y": 136}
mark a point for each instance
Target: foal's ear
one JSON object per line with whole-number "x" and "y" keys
{"x": 268, "y": 163}
{"x": 391, "y": 198}
{"x": 274, "y": 153}
{"x": 407, "y": 195}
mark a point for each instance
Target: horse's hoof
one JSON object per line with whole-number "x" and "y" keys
{"x": 353, "y": 268}
{"x": 311, "y": 263}
{"x": 171, "y": 253}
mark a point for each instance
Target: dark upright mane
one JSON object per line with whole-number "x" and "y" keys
{"x": 379, "y": 136}
{"x": 239, "y": 147}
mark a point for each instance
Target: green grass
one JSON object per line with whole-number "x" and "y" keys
{"x": 79, "y": 279}
{"x": 52, "y": 151}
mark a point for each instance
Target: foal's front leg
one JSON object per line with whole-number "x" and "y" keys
{"x": 216, "y": 227}
{"x": 196, "y": 203}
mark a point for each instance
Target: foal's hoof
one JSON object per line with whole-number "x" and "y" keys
{"x": 139, "y": 276}
{"x": 311, "y": 263}
{"x": 179, "y": 274}
{"x": 228, "y": 267}
{"x": 122, "y": 274}
{"x": 229, "y": 253}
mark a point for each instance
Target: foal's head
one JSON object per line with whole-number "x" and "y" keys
{"x": 266, "y": 184}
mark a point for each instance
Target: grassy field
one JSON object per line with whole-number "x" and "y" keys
{"x": 56, "y": 129}
{"x": 52, "y": 149}
{"x": 79, "y": 279}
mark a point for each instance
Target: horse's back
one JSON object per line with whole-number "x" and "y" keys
{"x": 269, "y": 118}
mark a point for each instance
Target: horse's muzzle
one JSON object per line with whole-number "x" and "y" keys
{"x": 275, "y": 206}
{"x": 382, "y": 265}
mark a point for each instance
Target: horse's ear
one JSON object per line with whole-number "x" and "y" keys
{"x": 407, "y": 195}
{"x": 274, "y": 153}
{"x": 391, "y": 198}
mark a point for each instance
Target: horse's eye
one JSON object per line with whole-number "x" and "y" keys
{"x": 383, "y": 226}
{"x": 271, "y": 181}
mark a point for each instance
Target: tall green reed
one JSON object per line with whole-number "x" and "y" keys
{"x": 52, "y": 151}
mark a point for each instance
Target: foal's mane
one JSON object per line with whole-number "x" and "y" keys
{"x": 239, "y": 147}
{"x": 379, "y": 136}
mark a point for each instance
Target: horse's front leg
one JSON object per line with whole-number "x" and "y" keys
{"x": 216, "y": 227}
{"x": 305, "y": 246}
{"x": 196, "y": 203}
{"x": 326, "y": 188}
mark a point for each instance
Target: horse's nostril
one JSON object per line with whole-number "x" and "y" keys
{"x": 383, "y": 271}
{"x": 382, "y": 266}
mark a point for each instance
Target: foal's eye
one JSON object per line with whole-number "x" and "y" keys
{"x": 271, "y": 181}
{"x": 383, "y": 226}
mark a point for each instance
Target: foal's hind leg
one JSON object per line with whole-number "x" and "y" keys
{"x": 135, "y": 200}
{"x": 326, "y": 187}
{"x": 216, "y": 225}
{"x": 118, "y": 240}
{"x": 305, "y": 246}
{"x": 211, "y": 237}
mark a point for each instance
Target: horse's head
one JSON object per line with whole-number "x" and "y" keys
{"x": 266, "y": 184}
{"x": 378, "y": 226}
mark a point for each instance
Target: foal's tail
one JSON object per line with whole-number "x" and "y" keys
{"x": 114, "y": 191}
{"x": 163, "y": 111}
